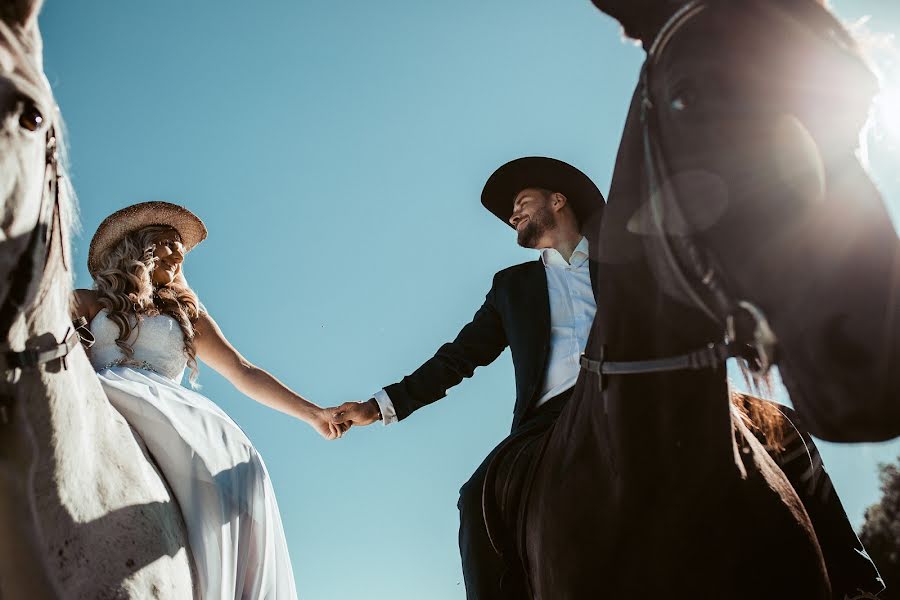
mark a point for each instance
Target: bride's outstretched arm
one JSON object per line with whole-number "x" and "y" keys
{"x": 217, "y": 352}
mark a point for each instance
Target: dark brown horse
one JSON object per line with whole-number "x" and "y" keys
{"x": 737, "y": 207}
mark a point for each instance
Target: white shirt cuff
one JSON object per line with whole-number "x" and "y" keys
{"x": 388, "y": 414}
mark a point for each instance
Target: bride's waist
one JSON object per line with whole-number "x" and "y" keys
{"x": 133, "y": 363}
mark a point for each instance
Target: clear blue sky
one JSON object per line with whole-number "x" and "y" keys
{"x": 337, "y": 150}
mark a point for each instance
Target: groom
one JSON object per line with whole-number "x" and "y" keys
{"x": 542, "y": 310}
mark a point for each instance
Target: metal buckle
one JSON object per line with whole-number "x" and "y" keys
{"x": 85, "y": 336}
{"x": 595, "y": 366}
{"x": 764, "y": 342}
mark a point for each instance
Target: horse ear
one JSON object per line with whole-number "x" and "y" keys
{"x": 640, "y": 19}
{"x": 20, "y": 14}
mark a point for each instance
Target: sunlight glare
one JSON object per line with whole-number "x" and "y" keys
{"x": 887, "y": 111}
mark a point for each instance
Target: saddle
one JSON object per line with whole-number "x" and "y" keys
{"x": 508, "y": 482}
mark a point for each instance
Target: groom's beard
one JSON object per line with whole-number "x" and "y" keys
{"x": 538, "y": 224}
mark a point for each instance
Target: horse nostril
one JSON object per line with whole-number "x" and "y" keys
{"x": 31, "y": 118}
{"x": 840, "y": 343}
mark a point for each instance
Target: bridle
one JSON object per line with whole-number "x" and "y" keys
{"x": 693, "y": 267}
{"x": 688, "y": 263}
{"x": 41, "y": 234}
{"x": 46, "y": 232}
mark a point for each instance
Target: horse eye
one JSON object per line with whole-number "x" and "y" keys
{"x": 683, "y": 99}
{"x": 31, "y": 118}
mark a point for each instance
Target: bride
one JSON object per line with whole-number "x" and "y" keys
{"x": 149, "y": 327}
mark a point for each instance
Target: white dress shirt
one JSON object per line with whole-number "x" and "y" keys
{"x": 572, "y": 310}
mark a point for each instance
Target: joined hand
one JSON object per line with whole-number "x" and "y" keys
{"x": 356, "y": 413}
{"x": 326, "y": 428}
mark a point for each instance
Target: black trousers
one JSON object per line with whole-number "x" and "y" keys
{"x": 482, "y": 567}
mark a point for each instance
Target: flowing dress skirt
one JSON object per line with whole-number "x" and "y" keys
{"x": 220, "y": 482}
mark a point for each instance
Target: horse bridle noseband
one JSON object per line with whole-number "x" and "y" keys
{"x": 47, "y": 229}
{"x": 688, "y": 262}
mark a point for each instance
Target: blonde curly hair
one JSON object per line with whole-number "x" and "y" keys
{"x": 125, "y": 289}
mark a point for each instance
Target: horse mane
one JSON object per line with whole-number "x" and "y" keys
{"x": 819, "y": 15}
{"x": 763, "y": 417}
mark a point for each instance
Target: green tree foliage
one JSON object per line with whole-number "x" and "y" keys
{"x": 880, "y": 533}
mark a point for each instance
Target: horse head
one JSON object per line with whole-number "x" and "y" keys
{"x": 755, "y": 203}
{"x": 30, "y": 208}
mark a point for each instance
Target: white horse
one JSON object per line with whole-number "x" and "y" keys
{"x": 106, "y": 523}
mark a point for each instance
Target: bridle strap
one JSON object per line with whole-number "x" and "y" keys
{"x": 20, "y": 281}
{"x": 756, "y": 346}
{"x": 712, "y": 356}
{"x": 40, "y": 355}
{"x": 671, "y": 27}
{"x": 56, "y": 225}
{"x": 680, "y": 252}
{"x": 673, "y": 248}
{"x": 13, "y": 362}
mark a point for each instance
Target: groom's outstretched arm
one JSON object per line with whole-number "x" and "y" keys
{"x": 479, "y": 343}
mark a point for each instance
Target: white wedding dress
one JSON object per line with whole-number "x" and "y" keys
{"x": 234, "y": 528}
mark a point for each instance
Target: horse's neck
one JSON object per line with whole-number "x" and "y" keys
{"x": 666, "y": 422}
{"x": 66, "y": 408}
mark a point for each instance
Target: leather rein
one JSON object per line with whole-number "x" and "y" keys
{"x": 689, "y": 263}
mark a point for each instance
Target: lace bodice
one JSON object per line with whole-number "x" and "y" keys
{"x": 157, "y": 342}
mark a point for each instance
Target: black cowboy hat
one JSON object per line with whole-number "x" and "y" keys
{"x": 504, "y": 185}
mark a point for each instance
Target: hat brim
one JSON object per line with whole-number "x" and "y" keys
{"x": 132, "y": 218}
{"x": 550, "y": 174}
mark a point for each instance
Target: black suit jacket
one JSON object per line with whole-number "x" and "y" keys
{"x": 515, "y": 313}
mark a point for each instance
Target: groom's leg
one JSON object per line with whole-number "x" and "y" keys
{"x": 482, "y": 567}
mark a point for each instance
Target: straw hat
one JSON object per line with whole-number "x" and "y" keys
{"x": 505, "y": 184}
{"x": 116, "y": 226}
